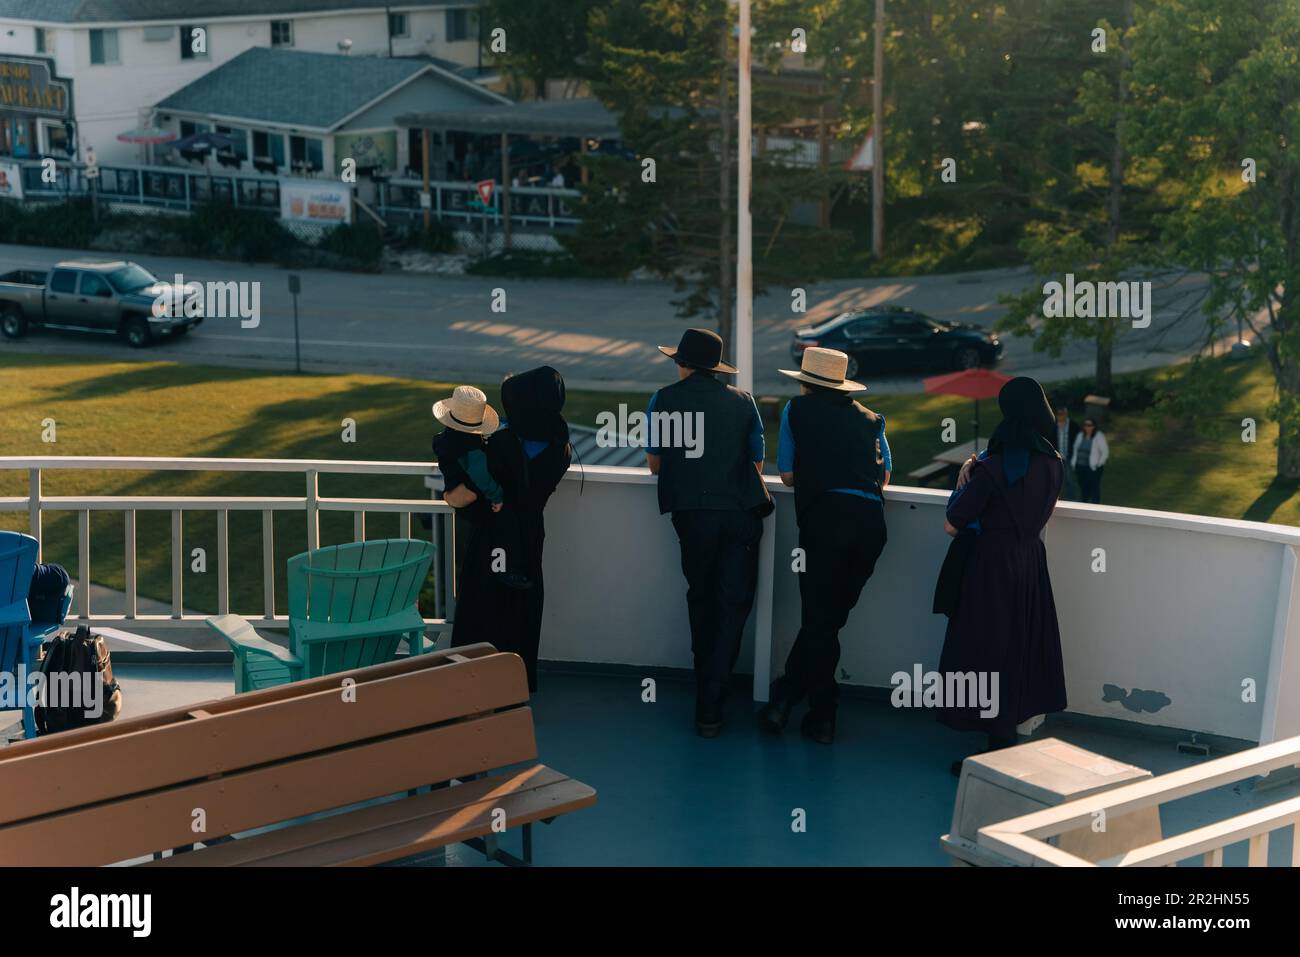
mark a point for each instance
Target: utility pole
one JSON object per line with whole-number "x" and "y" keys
{"x": 878, "y": 139}
{"x": 744, "y": 346}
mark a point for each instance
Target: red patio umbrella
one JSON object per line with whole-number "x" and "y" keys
{"x": 971, "y": 384}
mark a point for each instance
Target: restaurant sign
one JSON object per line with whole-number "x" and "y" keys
{"x": 315, "y": 201}
{"x": 28, "y": 85}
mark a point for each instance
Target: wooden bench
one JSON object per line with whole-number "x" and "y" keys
{"x": 439, "y": 733}
{"x": 926, "y": 473}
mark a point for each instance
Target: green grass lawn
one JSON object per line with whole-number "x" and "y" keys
{"x": 164, "y": 409}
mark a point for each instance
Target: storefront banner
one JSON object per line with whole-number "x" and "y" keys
{"x": 315, "y": 201}
{"x": 11, "y": 180}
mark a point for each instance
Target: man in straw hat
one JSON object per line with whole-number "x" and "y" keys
{"x": 833, "y": 452}
{"x": 715, "y": 493}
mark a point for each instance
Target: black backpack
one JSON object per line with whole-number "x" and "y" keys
{"x": 74, "y": 657}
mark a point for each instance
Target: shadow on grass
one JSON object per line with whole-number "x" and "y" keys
{"x": 1278, "y": 493}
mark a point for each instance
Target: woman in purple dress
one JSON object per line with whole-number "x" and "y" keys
{"x": 1003, "y": 636}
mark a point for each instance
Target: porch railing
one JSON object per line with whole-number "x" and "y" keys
{"x": 311, "y": 504}
{"x": 1025, "y": 839}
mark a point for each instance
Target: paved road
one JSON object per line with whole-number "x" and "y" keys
{"x": 599, "y": 334}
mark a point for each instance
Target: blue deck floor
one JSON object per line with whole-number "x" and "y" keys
{"x": 881, "y": 795}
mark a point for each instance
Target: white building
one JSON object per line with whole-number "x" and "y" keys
{"x": 113, "y": 60}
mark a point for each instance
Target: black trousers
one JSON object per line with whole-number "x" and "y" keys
{"x": 842, "y": 536}
{"x": 1089, "y": 482}
{"x": 720, "y": 562}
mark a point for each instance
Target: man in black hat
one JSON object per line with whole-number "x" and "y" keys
{"x": 706, "y": 446}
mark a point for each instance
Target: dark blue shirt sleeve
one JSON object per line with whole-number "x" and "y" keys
{"x": 785, "y": 443}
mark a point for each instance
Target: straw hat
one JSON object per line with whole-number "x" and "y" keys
{"x": 826, "y": 368}
{"x": 467, "y": 411}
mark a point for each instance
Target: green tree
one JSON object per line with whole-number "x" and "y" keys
{"x": 544, "y": 39}
{"x": 1217, "y": 84}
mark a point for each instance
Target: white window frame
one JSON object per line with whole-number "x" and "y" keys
{"x": 282, "y": 23}
{"x": 104, "y": 34}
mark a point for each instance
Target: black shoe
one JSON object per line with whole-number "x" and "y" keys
{"x": 774, "y": 715}
{"x": 708, "y": 721}
{"x": 819, "y": 728}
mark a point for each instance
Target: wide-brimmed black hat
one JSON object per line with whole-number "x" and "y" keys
{"x": 700, "y": 349}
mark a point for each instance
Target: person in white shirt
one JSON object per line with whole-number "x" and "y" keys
{"x": 1088, "y": 456}
{"x": 558, "y": 179}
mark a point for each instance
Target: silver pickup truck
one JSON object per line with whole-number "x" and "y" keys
{"x": 117, "y": 297}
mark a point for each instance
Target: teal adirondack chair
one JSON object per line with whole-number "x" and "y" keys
{"x": 20, "y": 637}
{"x": 349, "y": 606}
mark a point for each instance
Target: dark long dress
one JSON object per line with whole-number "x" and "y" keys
{"x": 487, "y": 609}
{"x": 1006, "y": 622}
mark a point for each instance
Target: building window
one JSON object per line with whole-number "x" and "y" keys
{"x": 306, "y": 152}
{"x": 194, "y": 42}
{"x": 189, "y": 128}
{"x": 103, "y": 46}
{"x": 281, "y": 33}
{"x": 240, "y": 138}
{"x": 398, "y": 25}
{"x": 40, "y": 39}
{"x": 268, "y": 146}
{"x": 462, "y": 24}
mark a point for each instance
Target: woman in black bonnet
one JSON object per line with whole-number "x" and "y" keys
{"x": 528, "y": 455}
{"x": 1005, "y": 621}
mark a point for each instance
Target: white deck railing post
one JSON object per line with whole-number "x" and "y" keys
{"x": 83, "y": 561}
{"x": 223, "y": 562}
{"x": 313, "y": 510}
{"x": 129, "y": 556}
{"x": 178, "y": 557}
{"x": 34, "y": 507}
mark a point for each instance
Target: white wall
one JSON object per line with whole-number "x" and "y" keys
{"x": 108, "y": 98}
{"x": 1188, "y": 606}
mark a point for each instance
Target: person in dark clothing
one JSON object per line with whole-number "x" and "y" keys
{"x": 528, "y": 455}
{"x": 706, "y": 445}
{"x": 1005, "y": 628}
{"x": 833, "y": 453}
{"x": 1063, "y": 436}
{"x": 466, "y": 444}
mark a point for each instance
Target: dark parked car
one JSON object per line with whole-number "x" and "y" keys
{"x": 897, "y": 339}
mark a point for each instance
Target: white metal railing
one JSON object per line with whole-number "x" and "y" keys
{"x": 310, "y": 504}
{"x": 1024, "y": 839}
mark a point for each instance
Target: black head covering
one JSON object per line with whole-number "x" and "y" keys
{"x": 1027, "y": 418}
{"x": 532, "y": 402}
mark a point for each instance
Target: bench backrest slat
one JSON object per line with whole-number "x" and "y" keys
{"x": 267, "y": 728}
{"x": 138, "y": 825}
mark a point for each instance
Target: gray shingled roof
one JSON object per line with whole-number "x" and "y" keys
{"x": 575, "y": 117}
{"x": 112, "y": 11}
{"x": 293, "y": 87}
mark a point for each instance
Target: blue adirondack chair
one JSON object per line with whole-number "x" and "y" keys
{"x": 20, "y": 637}
{"x": 349, "y": 606}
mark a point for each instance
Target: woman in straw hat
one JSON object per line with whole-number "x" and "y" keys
{"x": 833, "y": 452}
{"x": 525, "y": 456}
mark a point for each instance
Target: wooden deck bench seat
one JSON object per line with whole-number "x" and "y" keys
{"x": 410, "y": 755}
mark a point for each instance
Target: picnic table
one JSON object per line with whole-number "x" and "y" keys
{"x": 957, "y": 454}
